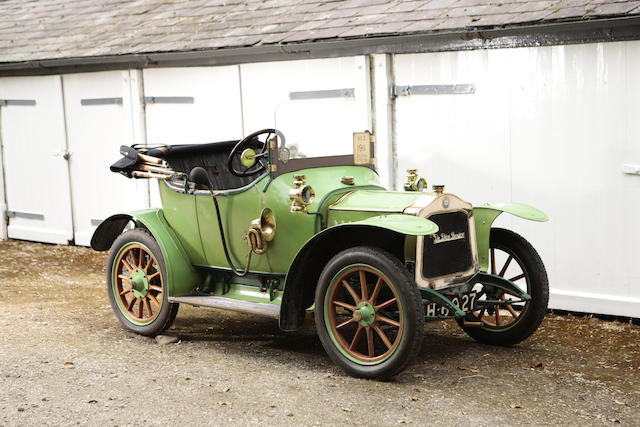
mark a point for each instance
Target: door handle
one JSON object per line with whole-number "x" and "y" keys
{"x": 631, "y": 169}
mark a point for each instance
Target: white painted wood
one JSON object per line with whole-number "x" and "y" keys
{"x": 95, "y": 134}
{"x": 550, "y": 127}
{"x": 215, "y": 114}
{"x": 3, "y": 202}
{"x": 382, "y": 77}
{"x": 461, "y": 141}
{"x": 325, "y": 126}
{"x": 36, "y": 174}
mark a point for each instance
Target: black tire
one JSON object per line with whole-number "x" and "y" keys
{"x": 159, "y": 320}
{"x": 403, "y": 341}
{"x": 537, "y": 285}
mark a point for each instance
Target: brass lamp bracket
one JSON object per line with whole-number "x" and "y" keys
{"x": 414, "y": 182}
{"x": 301, "y": 195}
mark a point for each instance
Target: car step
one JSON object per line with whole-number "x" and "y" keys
{"x": 231, "y": 304}
{"x": 472, "y": 324}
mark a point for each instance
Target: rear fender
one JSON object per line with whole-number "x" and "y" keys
{"x": 182, "y": 278}
{"x": 387, "y": 232}
{"x": 485, "y": 216}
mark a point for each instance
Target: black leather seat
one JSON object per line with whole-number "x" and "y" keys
{"x": 211, "y": 156}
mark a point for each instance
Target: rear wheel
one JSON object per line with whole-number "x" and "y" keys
{"x": 369, "y": 313}
{"x": 137, "y": 285}
{"x": 511, "y": 257}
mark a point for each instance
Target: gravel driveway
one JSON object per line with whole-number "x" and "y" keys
{"x": 65, "y": 360}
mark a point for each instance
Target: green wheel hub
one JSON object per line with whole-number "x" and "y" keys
{"x": 139, "y": 283}
{"x": 365, "y": 314}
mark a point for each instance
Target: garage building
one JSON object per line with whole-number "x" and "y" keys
{"x": 529, "y": 101}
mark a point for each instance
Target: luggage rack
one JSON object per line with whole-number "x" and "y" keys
{"x": 135, "y": 164}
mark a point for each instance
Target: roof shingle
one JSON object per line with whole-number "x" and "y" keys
{"x": 52, "y": 29}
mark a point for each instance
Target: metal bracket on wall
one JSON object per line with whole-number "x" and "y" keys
{"x": 168, "y": 100}
{"x": 26, "y": 215}
{"x": 461, "y": 89}
{"x": 319, "y": 94}
{"x": 101, "y": 101}
{"x": 17, "y": 102}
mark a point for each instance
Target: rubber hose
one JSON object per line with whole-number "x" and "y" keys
{"x": 224, "y": 244}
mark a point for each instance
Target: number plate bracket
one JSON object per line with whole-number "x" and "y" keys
{"x": 439, "y": 299}
{"x": 439, "y": 307}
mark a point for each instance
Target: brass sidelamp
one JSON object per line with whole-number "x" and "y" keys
{"x": 301, "y": 195}
{"x": 414, "y": 182}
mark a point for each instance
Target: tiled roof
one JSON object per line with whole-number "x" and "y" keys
{"x": 50, "y": 29}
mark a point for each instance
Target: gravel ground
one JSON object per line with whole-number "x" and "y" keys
{"x": 65, "y": 360}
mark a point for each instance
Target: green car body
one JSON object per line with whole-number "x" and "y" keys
{"x": 350, "y": 209}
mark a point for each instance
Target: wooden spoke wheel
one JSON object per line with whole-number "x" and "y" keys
{"x": 136, "y": 283}
{"x": 369, "y": 313}
{"x": 504, "y": 262}
{"x": 511, "y": 320}
{"x": 364, "y": 315}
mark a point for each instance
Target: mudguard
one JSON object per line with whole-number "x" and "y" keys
{"x": 485, "y": 216}
{"x": 385, "y": 231}
{"x": 182, "y": 278}
{"x": 400, "y": 223}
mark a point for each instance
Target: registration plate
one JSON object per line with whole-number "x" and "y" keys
{"x": 466, "y": 302}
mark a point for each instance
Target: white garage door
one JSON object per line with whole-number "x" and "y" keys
{"x": 551, "y": 127}
{"x": 321, "y": 100}
{"x": 101, "y": 111}
{"x": 451, "y": 111}
{"x": 36, "y": 174}
{"x": 191, "y": 106}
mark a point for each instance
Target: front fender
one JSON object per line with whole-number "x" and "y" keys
{"x": 400, "y": 223}
{"x": 305, "y": 270}
{"x": 484, "y": 217}
{"x": 182, "y": 278}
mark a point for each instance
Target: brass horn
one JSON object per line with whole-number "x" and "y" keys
{"x": 262, "y": 230}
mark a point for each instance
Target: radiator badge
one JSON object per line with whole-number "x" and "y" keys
{"x": 447, "y": 237}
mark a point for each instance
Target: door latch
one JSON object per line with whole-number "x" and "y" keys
{"x": 65, "y": 154}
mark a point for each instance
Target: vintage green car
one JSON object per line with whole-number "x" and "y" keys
{"x": 256, "y": 226}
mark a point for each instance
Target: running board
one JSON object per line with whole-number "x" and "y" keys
{"x": 231, "y": 304}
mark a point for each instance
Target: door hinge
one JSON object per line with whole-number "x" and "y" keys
{"x": 168, "y": 100}
{"x": 5, "y": 102}
{"x": 454, "y": 89}
{"x": 101, "y": 101}
{"x": 26, "y": 215}
{"x": 322, "y": 94}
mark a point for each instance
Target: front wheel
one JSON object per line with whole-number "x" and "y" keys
{"x": 369, "y": 313}
{"x": 137, "y": 284}
{"x": 511, "y": 257}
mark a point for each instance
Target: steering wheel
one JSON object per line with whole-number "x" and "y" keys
{"x": 252, "y": 154}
